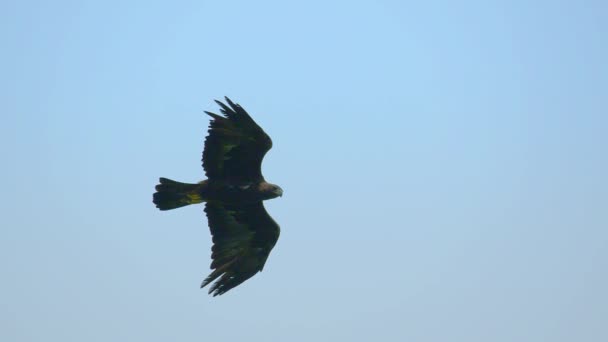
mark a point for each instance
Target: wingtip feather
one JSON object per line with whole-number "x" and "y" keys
{"x": 232, "y": 104}
{"x": 213, "y": 115}
{"x": 223, "y": 108}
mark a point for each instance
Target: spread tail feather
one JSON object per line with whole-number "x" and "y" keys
{"x": 171, "y": 194}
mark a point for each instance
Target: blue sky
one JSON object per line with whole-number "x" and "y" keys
{"x": 444, "y": 166}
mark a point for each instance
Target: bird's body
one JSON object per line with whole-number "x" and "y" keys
{"x": 172, "y": 194}
{"x": 243, "y": 232}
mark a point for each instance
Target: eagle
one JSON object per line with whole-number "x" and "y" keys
{"x": 243, "y": 232}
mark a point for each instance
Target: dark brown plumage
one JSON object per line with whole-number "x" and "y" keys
{"x": 243, "y": 232}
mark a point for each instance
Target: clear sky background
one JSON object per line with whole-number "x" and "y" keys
{"x": 444, "y": 166}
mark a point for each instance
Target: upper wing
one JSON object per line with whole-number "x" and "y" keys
{"x": 235, "y": 146}
{"x": 243, "y": 237}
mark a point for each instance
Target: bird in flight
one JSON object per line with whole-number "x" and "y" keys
{"x": 243, "y": 232}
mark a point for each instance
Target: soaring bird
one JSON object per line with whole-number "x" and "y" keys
{"x": 243, "y": 232}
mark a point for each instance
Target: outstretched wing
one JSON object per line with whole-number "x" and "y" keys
{"x": 235, "y": 146}
{"x": 243, "y": 237}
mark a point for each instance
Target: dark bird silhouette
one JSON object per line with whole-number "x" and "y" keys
{"x": 243, "y": 232}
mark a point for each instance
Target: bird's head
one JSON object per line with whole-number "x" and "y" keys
{"x": 271, "y": 190}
